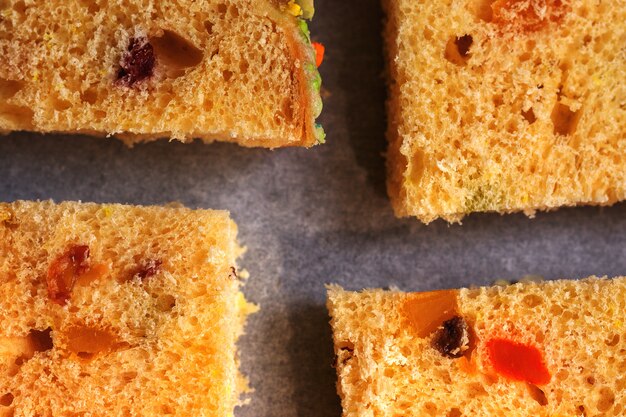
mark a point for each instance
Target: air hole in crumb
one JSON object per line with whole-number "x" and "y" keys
{"x": 18, "y": 117}
{"x": 222, "y": 9}
{"x": 345, "y": 352}
{"x": 590, "y": 380}
{"x": 454, "y": 412}
{"x": 564, "y": 120}
{"x": 9, "y": 88}
{"x": 59, "y": 104}
{"x": 582, "y": 410}
{"x": 286, "y": 109}
{"x": 483, "y": 10}
{"x": 613, "y": 341}
{"x": 6, "y": 400}
{"x": 537, "y": 394}
{"x": 129, "y": 376}
{"x": 417, "y": 166}
{"x": 227, "y": 75}
{"x": 243, "y": 67}
{"x": 233, "y": 11}
{"x": 457, "y": 49}
{"x": 166, "y": 302}
{"x": 606, "y": 399}
{"x": 529, "y": 115}
{"x": 92, "y": 6}
{"x": 41, "y": 339}
{"x": 476, "y": 389}
{"x": 208, "y": 25}
{"x": 430, "y": 408}
{"x": 463, "y": 44}
{"x": 176, "y": 52}
{"x": 532, "y": 300}
{"x": 20, "y": 7}
{"x": 89, "y": 96}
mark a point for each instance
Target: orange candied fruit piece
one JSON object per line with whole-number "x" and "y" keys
{"x": 425, "y": 312}
{"x": 87, "y": 342}
{"x": 527, "y": 15}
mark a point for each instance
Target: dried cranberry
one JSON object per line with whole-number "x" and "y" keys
{"x": 452, "y": 340}
{"x": 64, "y": 271}
{"x": 150, "y": 268}
{"x": 138, "y": 62}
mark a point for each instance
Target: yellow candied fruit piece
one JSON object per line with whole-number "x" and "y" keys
{"x": 619, "y": 324}
{"x": 107, "y": 211}
{"x": 244, "y": 306}
{"x": 4, "y": 216}
{"x": 294, "y": 8}
{"x": 596, "y": 80}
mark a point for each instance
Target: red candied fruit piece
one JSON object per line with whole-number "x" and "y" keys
{"x": 64, "y": 271}
{"x": 319, "y": 53}
{"x": 527, "y": 15}
{"x": 518, "y": 361}
{"x": 138, "y": 62}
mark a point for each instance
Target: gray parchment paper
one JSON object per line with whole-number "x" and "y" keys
{"x": 310, "y": 217}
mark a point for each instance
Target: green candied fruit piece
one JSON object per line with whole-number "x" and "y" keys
{"x": 316, "y": 83}
{"x": 314, "y": 76}
{"x": 304, "y": 28}
{"x": 308, "y": 8}
{"x": 320, "y": 135}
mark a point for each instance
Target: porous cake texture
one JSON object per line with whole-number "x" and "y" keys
{"x": 232, "y": 70}
{"x": 505, "y": 105}
{"x": 553, "y": 349}
{"x": 118, "y": 310}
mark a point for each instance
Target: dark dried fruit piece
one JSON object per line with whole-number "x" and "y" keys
{"x": 138, "y": 62}
{"x": 452, "y": 340}
{"x": 64, "y": 271}
{"x": 149, "y": 269}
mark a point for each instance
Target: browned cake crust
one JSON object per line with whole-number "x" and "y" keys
{"x": 118, "y": 310}
{"x": 232, "y": 70}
